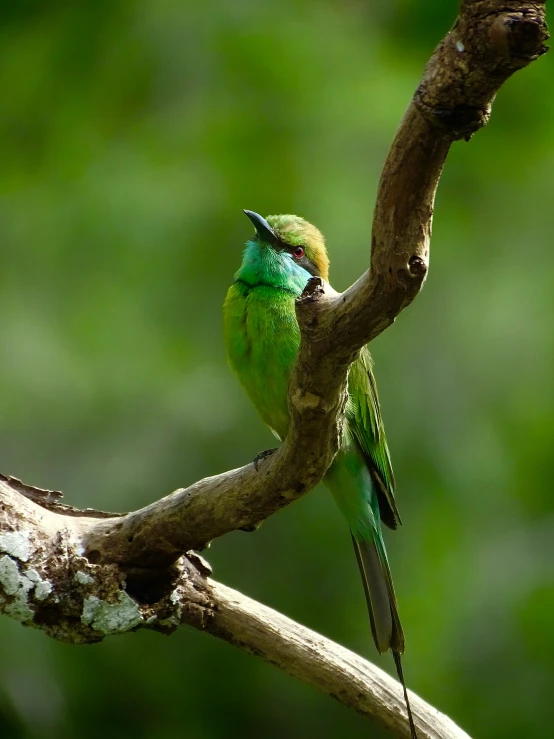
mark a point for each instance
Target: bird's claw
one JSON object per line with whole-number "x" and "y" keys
{"x": 261, "y": 456}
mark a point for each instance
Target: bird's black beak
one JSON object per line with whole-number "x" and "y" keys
{"x": 263, "y": 230}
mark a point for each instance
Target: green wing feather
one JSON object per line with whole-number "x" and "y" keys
{"x": 364, "y": 418}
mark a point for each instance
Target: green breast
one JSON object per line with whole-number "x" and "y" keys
{"x": 262, "y": 339}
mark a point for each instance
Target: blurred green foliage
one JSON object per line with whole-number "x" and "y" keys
{"x": 132, "y": 133}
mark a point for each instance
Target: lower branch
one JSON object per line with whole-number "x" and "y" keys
{"x": 326, "y": 665}
{"x": 47, "y": 583}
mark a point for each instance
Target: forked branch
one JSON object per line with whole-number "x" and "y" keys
{"x": 80, "y": 575}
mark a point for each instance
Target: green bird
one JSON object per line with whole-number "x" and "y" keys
{"x": 262, "y": 339}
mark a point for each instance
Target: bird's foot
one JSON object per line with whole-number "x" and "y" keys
{"x": 261, "y": 456}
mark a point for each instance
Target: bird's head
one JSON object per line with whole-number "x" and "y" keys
{"x": 285, "y": 252}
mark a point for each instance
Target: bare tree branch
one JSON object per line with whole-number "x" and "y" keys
{"x": 324, "y": 664}
{"x": 80, "y": 575}
{"x": 48, "y": 585}
{"x": 489, "y": 41}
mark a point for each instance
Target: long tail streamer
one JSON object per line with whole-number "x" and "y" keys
{"x": 398, "y": 663}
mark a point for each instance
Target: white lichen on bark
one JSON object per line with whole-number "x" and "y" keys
{"x": 43, "y": 588}
{"x": 17, "y": 586}
{"x": 83, "y": 578}
{"x": 111, "y": 618}
{"x": 16, "y": 544}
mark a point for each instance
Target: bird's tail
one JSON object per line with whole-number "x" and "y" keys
{"x": 382, "y": 606}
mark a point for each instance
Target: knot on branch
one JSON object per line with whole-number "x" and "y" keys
{"x": 312, "y": 292}
{"x": 518, "y": 38}
{"x": 461, "y": 120}
{"x": 417, "y": 267}
{"x": 483, "y": 49}
{"x": 307, "y": 305}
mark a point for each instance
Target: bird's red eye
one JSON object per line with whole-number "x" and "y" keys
{"x": 299, "y": 252}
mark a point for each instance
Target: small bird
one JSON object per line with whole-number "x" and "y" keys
{"x": 262, "y": 339}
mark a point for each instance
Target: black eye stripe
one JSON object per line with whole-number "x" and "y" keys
{"x": 303, "y": 261}
{"x": 309, "y": 266}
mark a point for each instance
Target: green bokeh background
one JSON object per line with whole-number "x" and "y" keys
{"x": 132, "y": 133}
